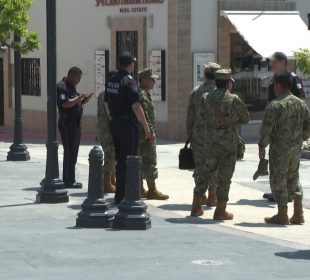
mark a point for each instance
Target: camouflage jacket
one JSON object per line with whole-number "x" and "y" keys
{"x": 193, "y": 121}
{"x": 286, "y": 122}
{"x": 148, "y": 108}
{"x": 222, "y": 112}
{"x": 103, "y": 120}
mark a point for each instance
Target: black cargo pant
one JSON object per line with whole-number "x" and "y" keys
{"x": 126, "y": 140}
{"x": 70, "y": 131}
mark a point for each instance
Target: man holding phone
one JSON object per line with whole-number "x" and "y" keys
{"x": 70, "y": 105}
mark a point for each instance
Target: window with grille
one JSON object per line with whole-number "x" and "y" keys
{"x": 31, "y": 76}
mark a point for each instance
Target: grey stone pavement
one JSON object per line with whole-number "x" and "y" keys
{"x": 39, "y": 241}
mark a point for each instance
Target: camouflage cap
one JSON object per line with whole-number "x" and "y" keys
{"x": 224, "y": 74}
{"x": 211, "y": 67}
{"x": 148, "y": 73}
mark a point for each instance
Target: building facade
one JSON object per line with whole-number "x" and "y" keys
{"x": 174, "y": 37}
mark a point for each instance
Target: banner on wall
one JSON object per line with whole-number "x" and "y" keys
{"x": 200, "y": 59}
{"x": 101, "y": 70}
{"x": 158, "y": 65}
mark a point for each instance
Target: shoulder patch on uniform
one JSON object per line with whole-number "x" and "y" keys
{"x": 130, "y": 77}
{"x": 62, "y": 97}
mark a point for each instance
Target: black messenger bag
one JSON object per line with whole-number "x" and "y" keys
{"x": 186, "y": 159}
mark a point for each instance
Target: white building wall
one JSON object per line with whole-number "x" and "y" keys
{"x": 38, "y": 24}
{"x": 204, "y": 26}
{"x": 81, "y": 29}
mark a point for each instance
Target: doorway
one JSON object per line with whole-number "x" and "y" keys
{"x": 1, "y": 94}
{"x": 128, "y": 34}
{"x": 127, "y": 41}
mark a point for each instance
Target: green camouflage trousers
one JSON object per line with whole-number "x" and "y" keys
{"x": 284, "y": 174}
{"x": 199, "y": 159}
{"x": 108, "y": 168}
{"x": 220, "y": 161}
{"x": 147, "y": 151}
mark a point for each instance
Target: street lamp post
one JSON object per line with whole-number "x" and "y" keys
{"x": 52, "y": 188}
{"x": 18, "y": 150}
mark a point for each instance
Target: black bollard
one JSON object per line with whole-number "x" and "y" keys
{"x": 95, "y": 210}
{"x": 132, "y": 210}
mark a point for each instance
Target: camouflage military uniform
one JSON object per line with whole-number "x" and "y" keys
{"x": 146, "y": 150}
{"x": 286, "y": 124}
{"x": 222, "y": 112}
{"x": 105, "y": 138}
{"x": 195, "y": 126}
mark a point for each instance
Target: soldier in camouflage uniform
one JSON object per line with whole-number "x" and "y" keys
{"x": 222, "y": 112}
{"x": 147, "y": 150}
{"x": 106, "y": 141}
{"x": 195, "y": 126}
{"x": 286, "y": 124}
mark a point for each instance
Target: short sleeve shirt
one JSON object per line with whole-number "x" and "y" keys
{"x": 121, "y": 92}
{"x": 66, "y": 91}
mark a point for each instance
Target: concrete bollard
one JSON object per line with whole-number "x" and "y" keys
{"x": 132, "y": 210}
{"x": 95, "y": 210}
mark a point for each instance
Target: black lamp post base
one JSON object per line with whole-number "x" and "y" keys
{"x": 132, "y": 216}
{"x": 95, "y": 214}
{"x": 18, "y": 153}
{"x": 52, "y": 192}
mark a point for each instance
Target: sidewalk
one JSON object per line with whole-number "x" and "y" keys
{"x": 40, "y": 241}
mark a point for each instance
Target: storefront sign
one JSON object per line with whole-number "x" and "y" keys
{"x": 200, "y": 59}
{"x": 133, "y": 10}
{"x": 101, "y": 70}
{"x": 126, "y": 2}
{"x": 158, "y": 65}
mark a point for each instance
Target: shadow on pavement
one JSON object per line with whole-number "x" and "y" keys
{"x": 75, "y": 207}
{"x": 176, "y": 207}
{"x": 259, "y": 225}
{"x": 257, "y": 203}
{"x": 192, "y": 221}
{"x": 16, "y": 205}
{"x": 299, "y": 255}
{"x": 31, "y": 189}
{"x": 84, "y": 194}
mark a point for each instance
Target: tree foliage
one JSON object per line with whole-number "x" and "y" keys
{"x": 302, "y": 57}
{"x": 14, "y": 19}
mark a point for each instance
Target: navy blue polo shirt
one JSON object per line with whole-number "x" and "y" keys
{"x": 66, "y": 91}
{"x": 121, "y": 92}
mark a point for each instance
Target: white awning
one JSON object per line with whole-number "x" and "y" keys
{"x": 268, "y": 32}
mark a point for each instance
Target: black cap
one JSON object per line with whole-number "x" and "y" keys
{"x": 125, "y": 59}
{"x": 279, "y": 56}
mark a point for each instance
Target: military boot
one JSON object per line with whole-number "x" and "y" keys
{"x": 281, "y": 218}
{"x": 204, "y": 199}
{"x": 212, "y": 198}
{"x": 220, "y": 213}
{"x": 298, "y": 216}
{"x": 143, "y": 190}
{"x": 153, "y": 193}
{"x": 196, "y": 207}
{"x": 107, "y": 185}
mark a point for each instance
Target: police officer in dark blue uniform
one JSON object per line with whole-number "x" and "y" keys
{"x": 123, "y": 106}
{"x": 70, "y": 105}
{"x": 278, "y": 63}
